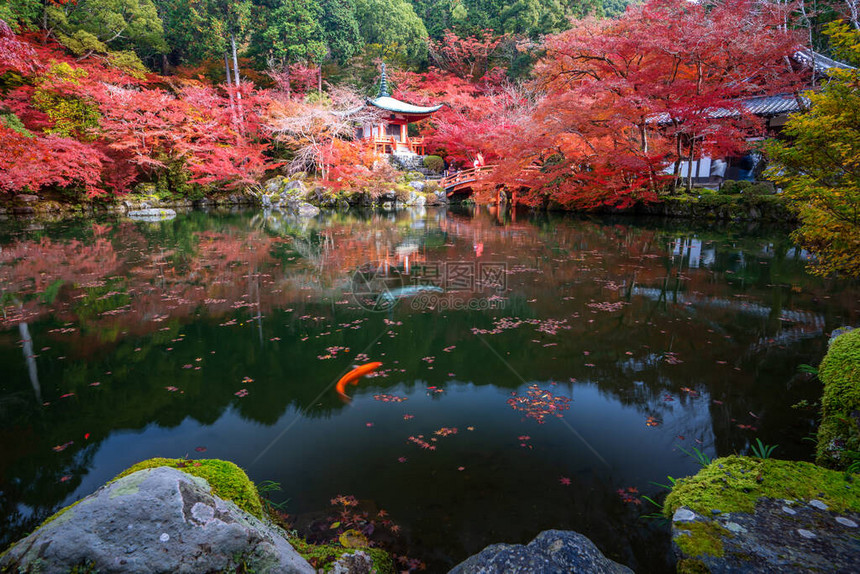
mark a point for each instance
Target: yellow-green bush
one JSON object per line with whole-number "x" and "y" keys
{"x": 839, "y": 433}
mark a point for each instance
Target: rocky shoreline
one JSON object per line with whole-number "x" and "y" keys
{"x": 301, "y": 197}
{"x": 172, "y": 515}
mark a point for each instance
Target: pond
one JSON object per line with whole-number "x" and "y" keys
{"x": 539, "y": 371}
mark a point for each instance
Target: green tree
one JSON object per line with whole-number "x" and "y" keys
{"x": 90, "y": 27}
{"x": 340, "y": 29}
{"x": 394, "y": 26}
{"x": 21, "y": 13}
{"x": 818, "y": 166}
{"x": 289, "y": 31}
{"x": 190, "y": 37}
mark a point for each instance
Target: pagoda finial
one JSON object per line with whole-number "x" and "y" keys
{"x": 383, "y": 84}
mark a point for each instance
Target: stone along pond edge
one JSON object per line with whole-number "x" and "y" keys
{"x": 749, "y": 514}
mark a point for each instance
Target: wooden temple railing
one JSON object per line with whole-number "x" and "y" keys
{"x": 389, "y": 144}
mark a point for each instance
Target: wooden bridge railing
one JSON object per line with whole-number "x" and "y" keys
{"x": 465, "y": 176}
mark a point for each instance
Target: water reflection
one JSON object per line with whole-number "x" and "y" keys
{"x": 124, "y": 340}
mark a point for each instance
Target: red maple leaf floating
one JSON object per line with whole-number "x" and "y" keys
{"x": 538, "y": 404}
{"x": 389, "y": 398}
{"x": 628, "y": 495}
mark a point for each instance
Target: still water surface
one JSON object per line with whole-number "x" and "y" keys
{"x": 532, "y": 368}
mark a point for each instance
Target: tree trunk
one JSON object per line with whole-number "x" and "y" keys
{"x": 235, "y": 63}
{"x": 854, "y": 11}
{"x": 319, "y": 79}
{"x": 229, "y": 85}
{"x": 236, "y": 79}
{"x": 676, "y": 172}
{"x": 690, "y": 164}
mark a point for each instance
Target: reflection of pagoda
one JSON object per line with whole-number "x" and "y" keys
{"x": 390, "y": 135}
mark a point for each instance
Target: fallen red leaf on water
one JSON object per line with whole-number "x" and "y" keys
{"x": 86, "y": 436}
{"x": 564, "y": 480}
{"x": 65, "y": 478}
{"x": 200, "y": 449}
{"x": 62, "y": 447}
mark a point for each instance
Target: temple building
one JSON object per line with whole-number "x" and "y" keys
{"x": 391, "y": 134}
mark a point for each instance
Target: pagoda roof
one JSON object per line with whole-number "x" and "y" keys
{"x": 396, "y": 106}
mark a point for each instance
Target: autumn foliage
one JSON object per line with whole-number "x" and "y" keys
{"x": 613, "y": 109}
{"x": 90, "y": 126}
{"x": 615, "y": 106}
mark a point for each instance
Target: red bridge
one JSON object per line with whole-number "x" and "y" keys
{"x": 462, "y": 181}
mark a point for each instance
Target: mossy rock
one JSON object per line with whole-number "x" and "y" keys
{"x": 227, "y": 480}
{"x": 839, "y": 433}
{"x": 735, "y": 483}
{"x": 323, "y": 556}
{"x": 702, "y": 539}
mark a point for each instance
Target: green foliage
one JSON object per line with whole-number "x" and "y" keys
{"x": 95, "y": 25}
{"x": 434, "y": 163}
{"x": 71, "y": 115}
{"x": 818, "y": 167}
{"x": 762, "y": 450}
{"x": 735, "y": 483}
{"x": 746, "y": 188}
{"x": 188, "y": 32}
{"x": 13, "y": 122}
{"x": 289, "y": 31}
{"x": 227, "y": 480}
{"x": 393, "y": 24}
{"x": 840, "y": 373}
{"x": 340, "y": 29}
{"x": 322, "y": 556}
{"x": 845, "y": 41}
{"x": 697, "y": 455}
{"x": 21, "y": 13}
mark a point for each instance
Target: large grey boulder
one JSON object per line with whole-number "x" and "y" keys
{"x": 551, "y": 552}
{"x": 155, "y": 520}
{"x": 779, "y": 536}
{"x": 303, "y": 209}
{"x": 276, "y": 184}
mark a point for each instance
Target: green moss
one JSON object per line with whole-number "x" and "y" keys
{"x": 703, "y": 539}
{"x": 227, "y": 480}
{"x": 735, "y": 483}
{"x": 840, "y": 373}
{"x": 692, "y": 566}
{"x": 322, "y": 556}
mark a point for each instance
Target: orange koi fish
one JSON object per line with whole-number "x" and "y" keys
{"x": 353, "y": 376}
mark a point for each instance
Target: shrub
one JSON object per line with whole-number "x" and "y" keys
{"x": 839, "y": 432}
{"x": 732, "y": 187}
{"x": 434, "y": 163}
